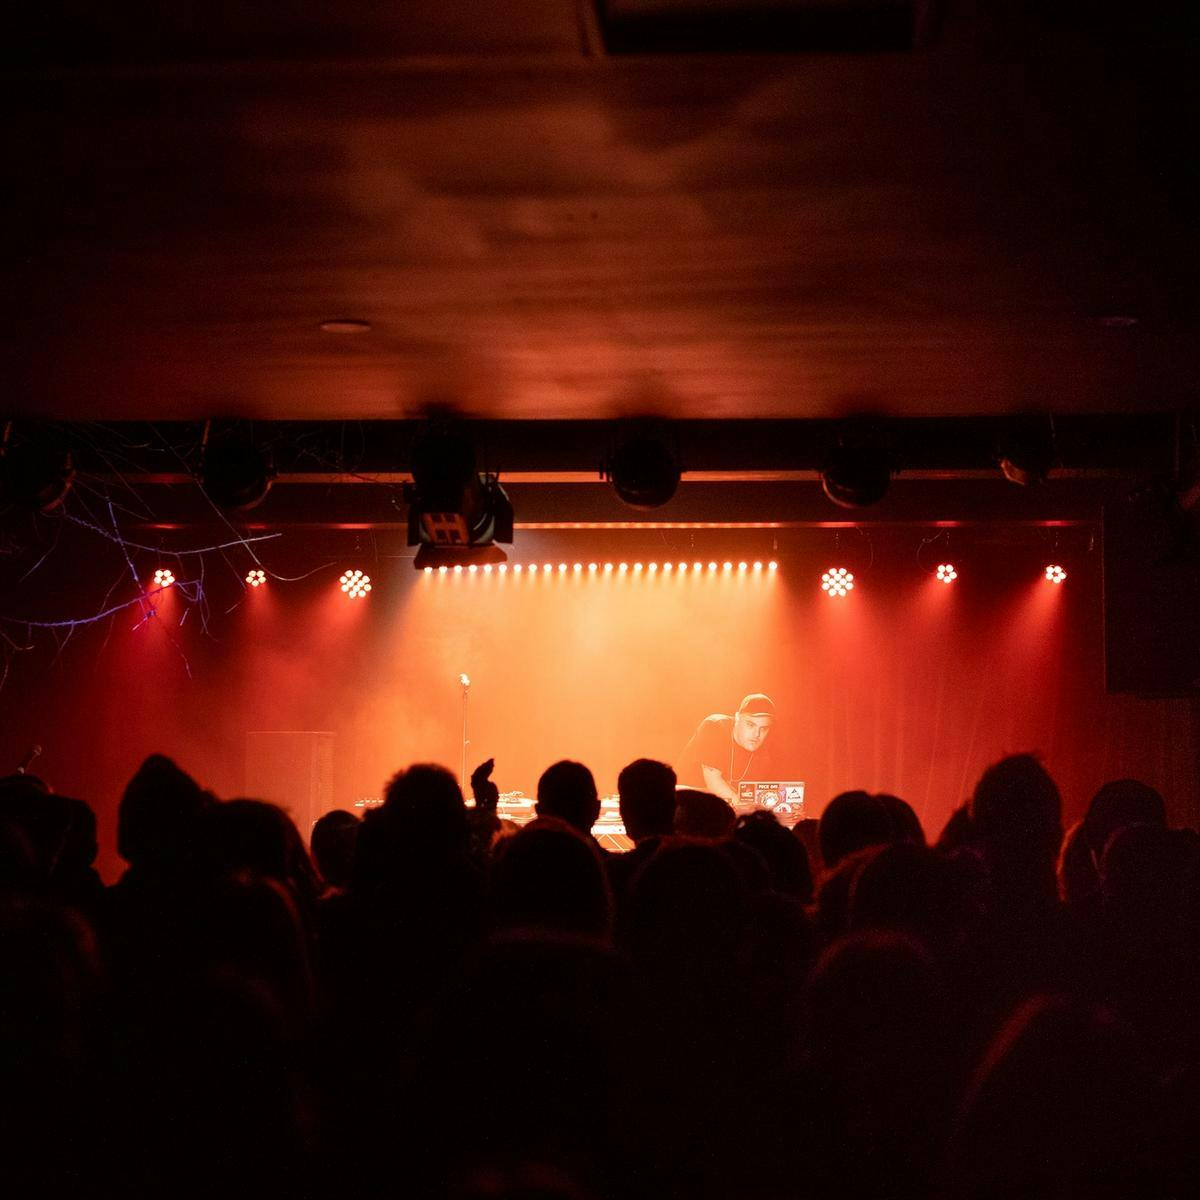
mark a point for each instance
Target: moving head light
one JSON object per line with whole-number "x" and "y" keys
{"x": 456, "y": 514}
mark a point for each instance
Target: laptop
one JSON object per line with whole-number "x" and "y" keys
{"x": 784, "y": 798}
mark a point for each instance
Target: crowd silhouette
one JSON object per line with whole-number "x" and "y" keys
{"x": 429, "y": 1001}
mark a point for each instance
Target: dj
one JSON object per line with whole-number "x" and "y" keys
{"x": 725, "y": 750}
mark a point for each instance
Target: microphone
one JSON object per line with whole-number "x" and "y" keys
{"x": 465, "y": 680}
{"x": 27, "y": 761}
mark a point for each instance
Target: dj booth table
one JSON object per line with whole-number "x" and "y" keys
{"x": 609, "y": 830}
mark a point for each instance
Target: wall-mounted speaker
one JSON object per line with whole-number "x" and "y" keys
{"x": 1151, "y": 596}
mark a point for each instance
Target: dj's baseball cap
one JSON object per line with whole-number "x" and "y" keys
{"x": 757, "y": 705}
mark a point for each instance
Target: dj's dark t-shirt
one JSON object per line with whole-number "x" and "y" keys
{"x": 712, "y": 745}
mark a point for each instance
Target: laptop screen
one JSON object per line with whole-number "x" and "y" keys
{"x": 784, "y": 798}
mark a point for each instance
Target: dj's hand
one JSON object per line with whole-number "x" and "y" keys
{"x": 486, "y": 793}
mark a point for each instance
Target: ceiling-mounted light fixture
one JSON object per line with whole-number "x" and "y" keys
{"x": 35, "y": 472}
{"x": 456, "y": 514}
{"x": 643, "y": 469}
{"x": 345, "y": 325}
{"x": 837, "y": 581}
{"x": 235, "y": 473}
{"x": 355, "y": 583}
{"x": 858, "y": 470}
{"x": 1026, "y": 452}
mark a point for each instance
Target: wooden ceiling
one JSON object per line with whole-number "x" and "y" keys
{"x": 1000, "y": 217}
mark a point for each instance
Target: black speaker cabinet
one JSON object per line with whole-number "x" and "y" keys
{"x": 1151, "y": 598}
{"x": 294, "y": 769}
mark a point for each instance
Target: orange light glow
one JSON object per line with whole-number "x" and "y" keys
{"x": 570, "y": 648}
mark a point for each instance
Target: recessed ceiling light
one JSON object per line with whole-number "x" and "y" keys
{"x": 345, "y": 325}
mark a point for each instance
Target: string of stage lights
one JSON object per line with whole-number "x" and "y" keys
{"x": 836, "y": 582}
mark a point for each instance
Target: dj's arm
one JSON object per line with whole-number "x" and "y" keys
{"x": 716, "y": 783}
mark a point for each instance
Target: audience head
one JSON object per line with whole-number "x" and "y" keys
{"x": 427, "y": 805}
{"x": 18, "y": 862}
{"x": 851, "y": 822}
{"x": 784, "y": 854}
{"x": 702, "y": 815}
{"x": 687, "y": 907}
{"x": 1016, "y": 819}
{"x": 1150, "y": 891}
{"x": 646, "y": 790}
{"x": 21, "y": 780}
{"x": 942, "y": 899}
{"x": 749, "y": 864}
{"x": 867, "y": 997}
{"x": 550, "y": 876}
{"x": 567, "y": 791}
{"x": 957, "y": 833}
{"x": 1078, "y": 868}
{"x": 249, "y": 924}
{"x": 157, "y": 810}
{"x": 835, "y": 892}
{"x": 332, "y": 843}
{"x": 257, "y": 837}
{"x": 906, "y": 825}
{"x": 50, "y": 963}
{"x": 1062, "y": 1105}
{"x": 875, "y": 1023}
{"x": 536, "y": 1026}
{"x": 1117, "y": 804}
{"x": 57, "y": 833}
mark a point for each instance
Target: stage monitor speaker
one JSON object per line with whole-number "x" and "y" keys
{"x": 1151, "y": 598}
{"x": 294, "y": 769}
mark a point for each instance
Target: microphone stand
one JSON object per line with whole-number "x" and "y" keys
{"x": 462, "y": 776}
